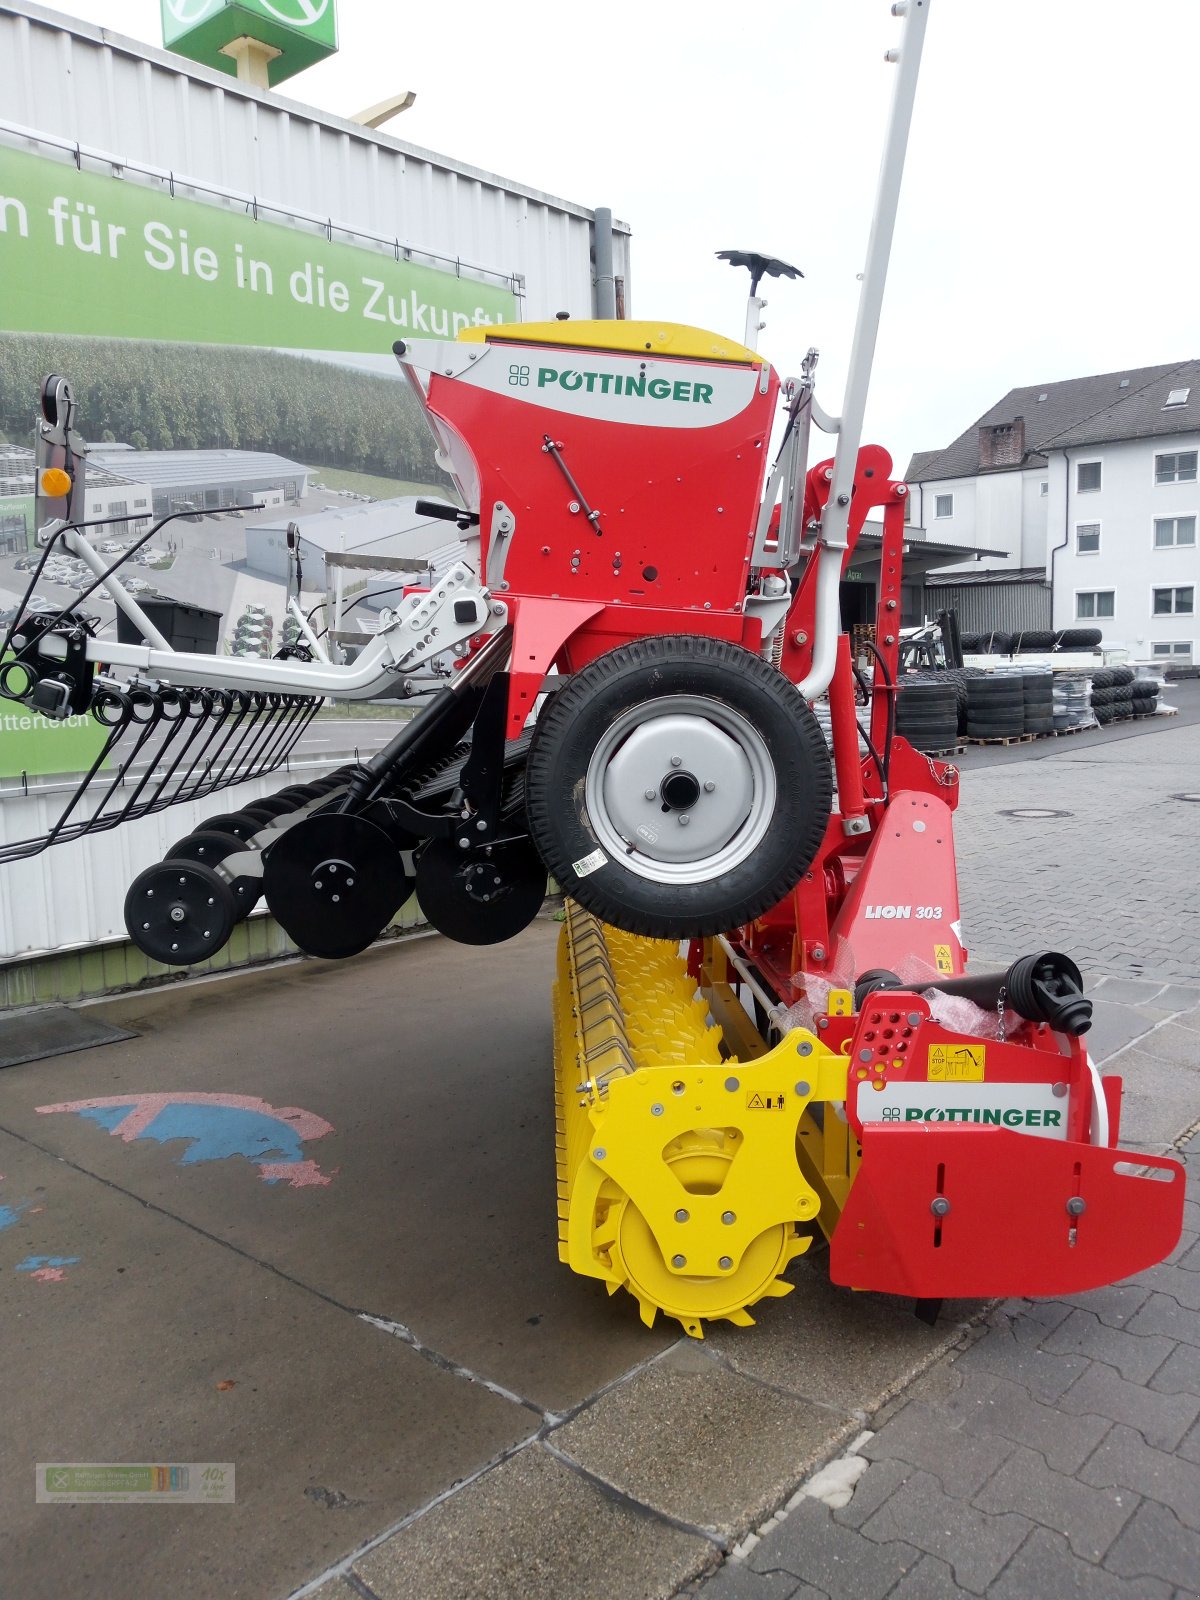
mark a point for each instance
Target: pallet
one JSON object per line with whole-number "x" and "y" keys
{"x": 950, "y": 750}
{"x": 1018, "y": 738}
{"x": 1061, "y": 733}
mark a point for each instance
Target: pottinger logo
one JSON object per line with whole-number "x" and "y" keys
{"x": 643, "y": 386}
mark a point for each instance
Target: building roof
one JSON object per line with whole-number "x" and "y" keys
{"x": 188, "y": 469}
{"x": 365, "y": 529}
{"x": 921, "y": 555}
{"x": 1105, "y": 407}
{"x": 17, "y": 472}
{"x": 988, "y": 578}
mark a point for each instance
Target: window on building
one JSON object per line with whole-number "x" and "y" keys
{"x": 1174, "y": 602}
{"x": 1087, "y": 477}
{"x": 139, "y": 505}
{"x": 1095, "y": 603}
{"x": 1045, "y": 487}
{"x": 1087, "y": 538}
{"x": 118, "y": 508}
{"x": 1176, "y": 397}
{"x": 1170, "y": 532}
{"x": 943, "y": 505}
{"x": 1174, "y": 648}
{"x": 1178, "y": 466}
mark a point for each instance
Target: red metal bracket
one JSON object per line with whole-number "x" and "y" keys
{"x": 962, "y": 1212}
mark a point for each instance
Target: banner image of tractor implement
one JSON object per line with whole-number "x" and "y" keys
{"x": 765, "y": 1025}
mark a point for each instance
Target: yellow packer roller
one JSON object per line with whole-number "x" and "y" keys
{"x": 678, "y": 1172}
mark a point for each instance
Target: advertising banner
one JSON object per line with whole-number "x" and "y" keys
{"x": 231, "y": 368}
{"x": 87, "y": 254}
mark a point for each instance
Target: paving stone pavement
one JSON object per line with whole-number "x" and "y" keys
{"x": 1113, "y": 882}
{"x": 1056, "y": 1451}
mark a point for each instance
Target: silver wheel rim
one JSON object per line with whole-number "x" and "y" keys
{"x": 680, "y": 756}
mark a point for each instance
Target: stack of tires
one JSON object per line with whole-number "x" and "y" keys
{"x": 1112, "y": 694}
{"x": 927, "y": 713}
{"x": 996, "y": 706}
{"x": 1037, "y": 688}
{"x": 1041, "y": 640}
{"x": 1072, "y": 701}
{"x": 990, "y": 643}
{"x": 1146, "y": 691}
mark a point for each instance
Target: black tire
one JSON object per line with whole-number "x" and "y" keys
{"x": 1004, "y": 687}
{"x": 1079, "y": 638}
{"x": 1031, "y": 639}
{"x": 211, "y": 848}
{"x": 1039, "y": 725}
{"x": 1121, "y": 676}
{"x": 596, "y": 744}
{"x": 1102, "y": 678}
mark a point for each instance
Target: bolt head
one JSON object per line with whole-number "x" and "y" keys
{"x": 684, "y": 819}
{"x": 725, "y": 1263}
{"x": 733, "y": 1084}
{"x": 599, "y": 1153}
{"x": 1076, "y": 1206}
{"x": 676, "y": 761}
{"x": 656, "y": 1110}
{"x": 804, "y": 1048}
{"x": 914, "y": 1019}
{"x": 940, "y": 1206}
{"x": 728, "y": 1217}
{"x": 651, "y": 794}
{"x": 679, "y": 1261}
{"x": 709, "y": 787}
{"x": 803, "y": 1089}
{"x": 681, "y": 1215}
{"x": 177, "y": 913}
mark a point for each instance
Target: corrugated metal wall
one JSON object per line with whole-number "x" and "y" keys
{"x": 88, "y": 87}
{"x": 73, "y": 895}
{"x": 984, "y": 606}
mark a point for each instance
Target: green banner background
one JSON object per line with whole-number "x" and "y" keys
{"x": 87, "y": 253}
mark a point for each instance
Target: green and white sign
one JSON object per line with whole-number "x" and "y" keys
{"x": 303, "y": 31}
{"x": 33, "y": 744}
{"x": 86, "y": 253}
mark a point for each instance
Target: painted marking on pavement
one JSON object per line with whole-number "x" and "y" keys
{"x": 215, "y": 1127}
{"x": 46, "y": 1269}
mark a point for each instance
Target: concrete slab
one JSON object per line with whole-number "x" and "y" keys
{"x": 433, "y": 1199}
{"x": 141, "y": 1339}
{"x": 534, "y": 1528}
{"x": 835, "y": 1346}
{"x": 730, "y": 1452}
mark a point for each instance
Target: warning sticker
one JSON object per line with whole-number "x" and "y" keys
{"x": 943, "y": 958}
{"x": 764, "y": 1100}
{"x": 589, "y": 864}
{"x": 957, "y": 1063}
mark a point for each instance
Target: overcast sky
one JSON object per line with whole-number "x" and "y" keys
{"x": 1048, "y": 223}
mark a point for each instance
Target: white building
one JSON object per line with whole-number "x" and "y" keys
{"x": 1091, "y": 483}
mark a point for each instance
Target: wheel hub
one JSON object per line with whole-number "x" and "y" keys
{"x": 680, "y": 789}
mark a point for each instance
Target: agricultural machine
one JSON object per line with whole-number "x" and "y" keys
{"x": 765, "y": 1027}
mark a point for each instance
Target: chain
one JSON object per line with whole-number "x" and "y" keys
{"x": 947, "y": 779}
{"x": 1001, "y": 1002}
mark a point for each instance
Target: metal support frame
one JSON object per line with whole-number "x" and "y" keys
{"x": 862, "y": 351}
